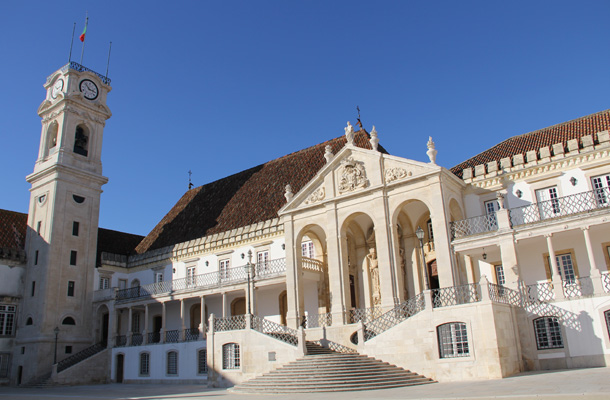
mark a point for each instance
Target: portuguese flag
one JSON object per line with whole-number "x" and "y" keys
{"x": 82, "y": 35}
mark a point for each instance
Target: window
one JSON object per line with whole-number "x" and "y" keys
{"x": 33, "y": 288}
{"x": 81, "y": 141}
{"x": 262, "y": 260}
{"x": 104, "y": 282}
{"x": 73, "y": 257}
{"x": 548, "y": 333}
{"x": 68, "y": 350}
{"x": 135, "y": 323}
{"x": 430, "y": 231}
{"x": 307, "y": 249}
{"x": 7, "y": 320}
{"x": 202, "y": 362}
{"x": 158, "y": 277}
{"x": 566, "y": 267}
{"x": 75, "y": 226}
{"x": 500, "y": 279}
{"x": 145, "y": 364}
{"x": 453, "y": 340}
{"x": 601, "y": 187}
{"x": 190, "y": 276}
{"x": 122, "y": 284}
{"x": 223, "y": 267}
{"x": 607, "y": 318}
{"x": 491, "y": 207}
{"x": 230, "y": 356}
{"x": 29, "y": 321}
{"x": 70, "y": 288}
{"x": 36, "y": 258}
{"x": 172, "y": 363}
{"x": 38, "y": 227}
{"x": 548, "y": 203}
{"x": 5, "y": 362}
{"x": 68, "y": 321}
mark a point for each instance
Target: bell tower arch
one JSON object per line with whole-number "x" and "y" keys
{"x": 61, "y": 243}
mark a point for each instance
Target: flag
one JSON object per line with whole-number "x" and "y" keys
{"x": 82, "y": 35}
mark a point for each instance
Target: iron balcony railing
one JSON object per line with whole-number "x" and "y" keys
{"x": 395, "y": 316}
{"x": 541, "y": 291}
{"x": 606, "y": 281}
{"x": 455, "y": 295}
{"x": 234, "y": 323}
{"x": 172, "y": 336}
{"x": 137, "y": 339}
{"x": 275, "y": 330}
{"x": 77, "y": 67}
{"x": 80, "y": 356}
{"x": 363, "y": 314}
{"x": 317, "y": 320}
{"x": 230, "y": 276}
{"x": 473, "y": 226}
{"x": 560, "y": 207}
{"x": 120, "y": 341}
{"x": 191, "y": 334}
{"x": 154, "y": 337}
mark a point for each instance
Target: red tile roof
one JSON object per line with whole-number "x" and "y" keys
{"x": 560, "y": 133}
{"x": 246, "y": 198}
{"x": 13, "y": 226}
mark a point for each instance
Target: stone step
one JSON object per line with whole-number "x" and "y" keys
{"x": 350, "y": 386}
{"x": 342, "y": 371}
{"x": 335, "y": 378}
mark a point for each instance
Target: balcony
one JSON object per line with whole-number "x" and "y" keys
{"x": 231, "y": 276}
{"x": 561, "y": 207}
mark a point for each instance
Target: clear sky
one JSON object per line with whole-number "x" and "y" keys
{"x": 220, "y": 86}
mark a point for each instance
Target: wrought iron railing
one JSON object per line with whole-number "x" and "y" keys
{"x": 474, "y": 225}
{"x": 233, "y": 323}
{"x": 137, "y": 339}
{"x": 154, "y": 337}
{"x": 339, "y": 348}
{"x": 560, "y": 207}
{"x": 363, "y": 314}
{"x": 455, "y": 295}
{"x": 80, "y": 356}
{"x": 220, "y": 278}
{"x": 120, "y": 341}
{"x": 541, "y": 291}
{"x": 580, "y": 286}
{"x": 502, "y": 294}
{"x": 395, "y": 316}
{"x": 274, "y": 330}
{"x": 606, "y": 281}
{"x": 191, "y": 334}
{"x": 77, "y": 67}
{"x": 172, "y": 336}
{"x": 310, "y": 264}
{"x": 317, "y": 320}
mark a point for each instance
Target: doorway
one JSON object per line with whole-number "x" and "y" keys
{"x": 105, "y": 329}
{"x": 157, "y": 325}
{"x": 120, "y": 361}
{"x": 433, "y": 274}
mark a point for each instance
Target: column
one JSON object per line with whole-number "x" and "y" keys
{"x": 146, "y": 326}
{"x": 416, "y": 269}
{"x": 182, "y": 315}
{"x": 111, "y": 326}
{"x": 557, "y": 283}
{"x": 203, "y": 321}
{"x": 224, "y": 304}
{"x": 442, "y": 243}
{"x": 294, "y": 281}
{"x": 594, "y": 273}
{"x": 386, "y": 265}
{"x": 510, "y": 263}
{"x": 469, "y": 270}
{"x": 129, "y": 327}
{"x": 163, "y": 321}
{"x": 337, "y": 264}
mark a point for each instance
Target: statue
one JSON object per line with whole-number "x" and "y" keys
{"x": 374, "y": 270}
{"x": 349, "y": 133}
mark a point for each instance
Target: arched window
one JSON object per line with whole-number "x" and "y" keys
{"x": 52, "y": 137}
{"x": 548, "y": 333}
{"x": 144, "y": 364}
{"x": 81, "y": 140}
{"x": 452, "y": 340}
{"x": 230, "y": 356}
{"x": 172, "y": 363}
{"x": 202, "y": 361}
{"x": 68, "y": 321}
{"x": 135, "y": 283}
{"x": 29, "y": 321}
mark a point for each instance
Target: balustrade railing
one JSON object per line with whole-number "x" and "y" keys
{"x": 455, "y": 295}
{"x": 120, "y": 341}
{"x": 274, "y": 330}
{"x": 233, "y": 323}
{"x": 191, "y": 334}
{"x": 317, "y": 320}
{"x": 224, "y": 277}
{"x": 606, "y": 281}
{"x": 137, "y": 339}
{"x": 473, "y": 226}
{"x": 363, "y": 314}
{"x": 560, "y": 207}
{"x": 395, "y": 316}
{"x": 310, "y": 264}
{"x": 541, "y": 291}
{"x": 154, "y": 337}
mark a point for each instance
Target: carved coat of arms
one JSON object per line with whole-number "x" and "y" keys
{"x": 352, "y": 176}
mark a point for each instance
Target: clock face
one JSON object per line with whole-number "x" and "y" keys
{"x": 89, "y": 89}
{"x": 57, "y": 88}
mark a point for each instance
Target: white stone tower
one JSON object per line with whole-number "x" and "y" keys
{"x": 62, "y": 223}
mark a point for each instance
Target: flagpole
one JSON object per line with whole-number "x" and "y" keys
{"x": 83, "y": 49}
{"x": 108, "y": 64}
{"x": 71, "y": 44}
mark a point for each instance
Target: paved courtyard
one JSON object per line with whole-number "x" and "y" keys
{"x": 567, "y": 384}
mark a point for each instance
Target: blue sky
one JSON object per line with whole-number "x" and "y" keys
{"x": 219, "y": 86}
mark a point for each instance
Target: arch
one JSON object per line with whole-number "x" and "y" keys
{"x": 102, "y": 321}
{"x": 68, "y": 321}
{"x": 455, "y": 210}
{"x": 238, "y": 306}
{"x": 135, "y": 283}
{"x": 29, "y": 321}
{"x": 51, "y": 139}
{"x": 81, "y": 140}
{"x": 195, "y": 315}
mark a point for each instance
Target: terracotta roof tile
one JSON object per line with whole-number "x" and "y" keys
{"x": 245, "y": 198}
{"x": 13, "y": 226}
{"x": 521, "y": 144}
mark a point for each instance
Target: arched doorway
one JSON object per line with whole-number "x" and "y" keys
{"x": 103, "y": 316}
{"x": 283, "y": 302}
{"x": 238, "y": 306}
{"x": 195, "y": 315}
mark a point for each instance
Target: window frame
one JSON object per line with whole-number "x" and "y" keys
{"x": 542, "y": 326}
{"x": 141, "y": 371}
{"x": 73, "y": 257}
{"x": 223, "y": 268}
{"x": 8, "y": 319}
{"x": 602, "y": 195}
{"x": 71, "y": 288}
{"x": 308, "y": 250}
{"x": 205, "y": 358}
{"x": 5, "y": 365}
{"x": 167, "y": 363}
{"x": 231, "y": 356}
{"x": 452, "y": 340}
{"x": 104, "y": 283}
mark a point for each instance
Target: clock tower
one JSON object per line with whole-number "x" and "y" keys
{"x": 61, "y": 244}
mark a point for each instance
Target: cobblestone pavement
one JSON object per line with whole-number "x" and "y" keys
{"x": 590, "y": 384}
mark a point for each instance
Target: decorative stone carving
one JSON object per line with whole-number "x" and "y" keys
{"x": 352, "y": 176}
{"x": 374, "y": 271}
{"x": 394, "y": 174}
{"x": 374, "y": 139}
{"x": 288, "y": 193}
{"x": 316, "y": 196}
{"x": 349, "y": 133}
{"x": 431, "y": 151}
{"x": 328, "y": 153}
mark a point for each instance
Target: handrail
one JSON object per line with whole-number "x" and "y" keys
{"x": 274, "y": 330}
{"x": 80, "y": 356}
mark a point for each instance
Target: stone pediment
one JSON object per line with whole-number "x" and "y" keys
{"x": 353, "y": 171}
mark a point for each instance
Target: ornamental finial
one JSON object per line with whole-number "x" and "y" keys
{"x": 374, "y": 139}
{"x": 288, "y": 194}
{"x": 431, "y": 150}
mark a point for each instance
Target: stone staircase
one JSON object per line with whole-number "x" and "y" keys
{"x": 325, "y": 370}
{"x": 40, "y": 383}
